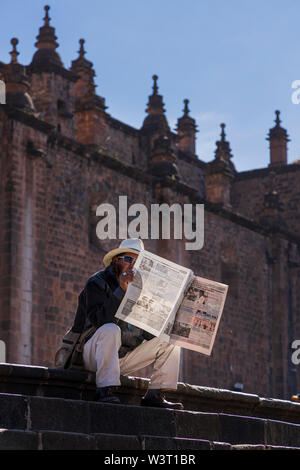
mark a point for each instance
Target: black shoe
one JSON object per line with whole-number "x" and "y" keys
{"x": 104, "y": 395}
{"x": 156, "y": 398}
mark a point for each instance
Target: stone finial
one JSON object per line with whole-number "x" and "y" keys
{"x": 156, "y": 119}
{"x": 155, "y": 103}
{"x": 84, "y": 68}
{"x": 46, "y": 44}
{"x": 47, "y": 37}
{"x": 155, "y": 86}
{"x": 186, "y": 130}
{"x": 186, "y": 108}
{"x": 223, "y": 150}
{"x": 278, "y": 139}
{"x": 81, "y": 62}
{"x": 220, "y": 173}
{"x": 223, "y": 135}
{"x": 46, "y": 17}
{"x": 16, "y": 81}
{"x": 85, "y": 87}
{"x": 81, "y": 51}
{"x": 277, "y": 131}
{"x": 14, "y": 53}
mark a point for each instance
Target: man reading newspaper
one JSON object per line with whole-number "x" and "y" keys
{"x": 116, "y": 348}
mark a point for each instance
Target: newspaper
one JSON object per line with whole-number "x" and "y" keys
{"x": 157, "y": 290}
{"x": 168, "y": 301}
{"x": 198, "y": 317}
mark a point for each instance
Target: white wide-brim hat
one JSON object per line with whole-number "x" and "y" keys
{"x": 132, "y": 245}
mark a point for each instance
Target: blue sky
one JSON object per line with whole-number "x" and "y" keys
{"x": 235, "y": 60}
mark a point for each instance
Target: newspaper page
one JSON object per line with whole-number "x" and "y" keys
{"x": 198, "y": 317}
{"x": 155, "y": 294}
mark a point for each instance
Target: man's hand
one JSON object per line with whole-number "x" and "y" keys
{"x": 125, "y": 278}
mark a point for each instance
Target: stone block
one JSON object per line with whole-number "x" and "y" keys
{"x": 279, "y": 433}
{"x": 16, "y": 439}
{"x": 13, "y": 411}
{"x": 54, "y": 440}
{"x": 241, "y": 429}
{"x": 116, "y": 442}
{"x": 156, "y": 421}
{"x": 127, "y": 419}
{"x": 191, "y": 444}
{"x": 158, "y": 443}
{"x": 190, "y": 424}
{"x": 58, "y": 414}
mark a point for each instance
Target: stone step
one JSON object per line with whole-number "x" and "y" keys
{"x": 33, "y": 413}
{"x": 16, "y": 439}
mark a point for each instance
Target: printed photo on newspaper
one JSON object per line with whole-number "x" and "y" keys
{"x": 167, "y": 300}
{"x": 198, "y": 317}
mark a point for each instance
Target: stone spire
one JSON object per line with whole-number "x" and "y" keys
{"x": 222, "y": 162}
{"x": 158, "y": 138}
{"x": 220, "y": 172}
{"x": 155, "y": 103}
{"x": 46, "y": 45}
{"x": 84, "y": 68}
{"x": 278, "y": 139}
{"x": 223, "y": 150}
{"x": 85, "y": 86}
{"x": 16, "y": 82}
{"x": 186, "y": 129}
{"x": 156, "y": 119}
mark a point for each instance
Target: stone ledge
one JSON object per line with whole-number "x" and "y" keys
{"x": 51, "y": 382}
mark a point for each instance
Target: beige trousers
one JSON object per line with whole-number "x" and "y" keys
{"x": 100, "y": 355}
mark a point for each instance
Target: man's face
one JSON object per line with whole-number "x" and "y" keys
{"x": 125, "y": 260}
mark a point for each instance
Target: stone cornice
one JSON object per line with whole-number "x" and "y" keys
{"x": 27, "y": 119}
{"x": 262, "y": 172}
{"x": 115, "y": 123}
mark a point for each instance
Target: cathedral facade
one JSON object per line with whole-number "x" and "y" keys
{"x": 62, "y": 155}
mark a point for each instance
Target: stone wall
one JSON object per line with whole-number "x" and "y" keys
{"x": 54, "y": 250}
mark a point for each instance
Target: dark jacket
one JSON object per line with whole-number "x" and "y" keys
{"x": 97, "y": 304}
